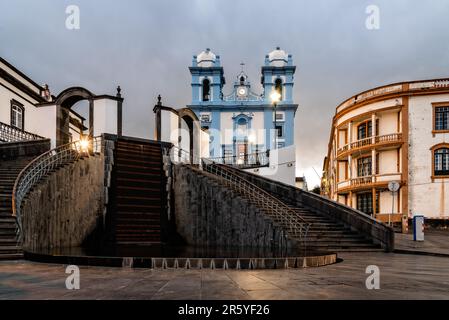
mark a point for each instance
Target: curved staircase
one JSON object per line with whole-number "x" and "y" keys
{"x": 9, "y": 170}
{"x": 323, "y": 233}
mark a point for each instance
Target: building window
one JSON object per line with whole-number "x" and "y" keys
{"x": 205, "y": 117}
{"x": 278, "y": 86}
{"x": 17, "y": 115}
{"x": 364, "y": 130}
{"x": 280, "y": 131}
{"x": 365, "y": 203}
{"x": 281, "y": 145}
{"x": 441, "y": 162}
{"x": 364, "y": 167}
{"x": 441, "y": 118}
{"x": 242, "y": 127}
{"x": 206, "y": 90}
{"x": 280, "y": 116}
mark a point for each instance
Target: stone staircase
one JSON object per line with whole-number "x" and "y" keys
{"x": 324, "y": 234}
{"x": 139, "y": 192}
{"x": 327, "y": 234}
{"x": 9, "y": 170}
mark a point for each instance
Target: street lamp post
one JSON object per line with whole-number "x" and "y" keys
{"x": 275, "y": 97}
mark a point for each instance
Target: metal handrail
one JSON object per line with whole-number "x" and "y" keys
{"x": 250, "y": 160}
{"x": 44, "y": 164}
{"x": 12, "y": 134}
{"x": 297, "y": 227}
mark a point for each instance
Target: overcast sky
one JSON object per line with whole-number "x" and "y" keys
{"x": 147, "y": 46}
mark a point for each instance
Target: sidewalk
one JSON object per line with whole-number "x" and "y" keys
{"x": 435, "y": 243}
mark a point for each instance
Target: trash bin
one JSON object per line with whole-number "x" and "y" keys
{"x": 418, "y": 228}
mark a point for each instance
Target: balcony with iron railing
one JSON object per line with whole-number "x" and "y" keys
{"x": 368, "y": 143}
{"x": 12, "y": 134}
{"x": 246, "y": 161}
{"x": 367, "y": 182}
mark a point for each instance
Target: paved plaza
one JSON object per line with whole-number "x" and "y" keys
{"x": 402, "y": 276}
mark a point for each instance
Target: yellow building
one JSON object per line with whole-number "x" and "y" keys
{"x": 397, "y": 132}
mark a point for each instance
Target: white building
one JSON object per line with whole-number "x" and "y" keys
{"x": 27, "y": 109}
{"x": 398, "y": 132}
{"x": 20, "y": 98}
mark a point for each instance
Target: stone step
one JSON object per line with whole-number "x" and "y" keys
{"x": 137, "y": 229}
{"x": 130, "y": 200}
{"x": 10, "y": 249}
{"x": 123, "y": 221}
{"x": 138, "y": 168}
{"x": 11, "y": 256}
{"x": 150, "y": 183}
{"x": 137, "y": 155}
{"x": 7, "y": 225}
{"x": 138, "y": 146}
{"x": 138, "y": 208}
{"x": 12, "y": 241}
{"x": 7, "y": 219}
{"x": 142, "y": 163}
{"x": 139, "y": 175}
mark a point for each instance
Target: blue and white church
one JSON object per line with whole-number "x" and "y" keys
{"x": 239, "y": 120}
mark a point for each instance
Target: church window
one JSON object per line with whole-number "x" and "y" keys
{"x": 206, "y": 90}
{"x": 278, "y": 86}
{"x": 280, "y": 131}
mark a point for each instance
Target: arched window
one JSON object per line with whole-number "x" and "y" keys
{"x": 17, "y": 115}
{"x": 441, "y": 161}
{"x": 242, "y": 80}
{"x": 242, "y": 125}
{"x": 206, "y": 90}
{"x": 278, "y": 86}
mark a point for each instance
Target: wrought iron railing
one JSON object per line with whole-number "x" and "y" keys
{"x": 46, "y": 163}
{"x": 386, "y": 138}
{"x": 295, "y": 225}
{"x": 12, "y": 134}
{"x": 251, "y": 160}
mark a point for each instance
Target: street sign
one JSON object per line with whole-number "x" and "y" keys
{"x": 393, "y": 186}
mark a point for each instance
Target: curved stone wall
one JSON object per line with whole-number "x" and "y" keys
{"x": 66, "y": 207}
{"x": 210, "y": 214}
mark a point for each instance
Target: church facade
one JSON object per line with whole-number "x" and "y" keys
{"x": 241, "y": 121}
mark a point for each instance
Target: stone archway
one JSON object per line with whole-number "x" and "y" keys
{"x": 64, "y": 102}
{"x": 193, "y": 124}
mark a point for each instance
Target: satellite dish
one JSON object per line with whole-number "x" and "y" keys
{"x": 393, "y": 186}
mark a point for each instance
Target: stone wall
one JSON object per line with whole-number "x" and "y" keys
{"x": 66, "y": 207}
{"x": 209, "y": 214}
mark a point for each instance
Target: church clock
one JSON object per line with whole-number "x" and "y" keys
{"x": 242, "y": 92}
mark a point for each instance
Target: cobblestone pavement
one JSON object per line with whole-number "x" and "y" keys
{"x": 402, "y": 276}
